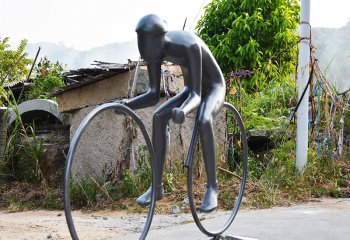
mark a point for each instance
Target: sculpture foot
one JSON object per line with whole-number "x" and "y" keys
{"x": 210, "y": 201}
{"x": 145, "y": 199}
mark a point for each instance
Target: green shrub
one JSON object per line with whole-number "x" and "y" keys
{"x": 255, "y": 35}
{"x": 13, "y": 63}
{"x": 48, "y": 77}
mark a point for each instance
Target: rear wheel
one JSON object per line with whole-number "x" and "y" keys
{"x": 232, "y": 157}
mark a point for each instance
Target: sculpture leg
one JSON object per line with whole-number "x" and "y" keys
{"x": 209, "y": 108}
{"x": 159, "y": 140}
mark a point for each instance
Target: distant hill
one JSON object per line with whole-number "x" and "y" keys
{"x": 333, "y": 53}
{"x": 114, "y": 52}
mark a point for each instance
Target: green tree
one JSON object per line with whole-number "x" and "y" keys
{"x": 255, "y": 35}
{"x": 2, "y": 96}
{"x": 13, "y": 63}
{"x": 48, "y": 77}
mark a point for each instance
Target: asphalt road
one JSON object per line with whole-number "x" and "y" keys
{"x": 328, "y": 219}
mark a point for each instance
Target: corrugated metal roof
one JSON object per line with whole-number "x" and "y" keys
{"x": 13, "y": 84}
{"x": 86, "y": 76}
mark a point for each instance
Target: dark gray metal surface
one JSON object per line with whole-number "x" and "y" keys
{"x": 204, "y": 90}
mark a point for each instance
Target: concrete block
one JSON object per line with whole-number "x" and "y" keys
{"x": 32, "y": 109}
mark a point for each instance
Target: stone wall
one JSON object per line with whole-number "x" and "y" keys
{"x": 114, "y": 87}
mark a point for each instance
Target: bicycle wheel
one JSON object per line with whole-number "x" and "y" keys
{"x": 73, "y": 147}
{"x": 232, "y": 157}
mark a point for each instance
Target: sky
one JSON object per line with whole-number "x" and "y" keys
{"x": 84, "y": 24}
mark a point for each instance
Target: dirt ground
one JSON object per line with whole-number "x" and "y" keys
{"x": 89, "y": 225}
{"x": 106, "y": 224}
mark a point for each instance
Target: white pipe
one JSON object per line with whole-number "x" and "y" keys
{"x": 133, "y": 88}
{"x": 133, "y": 165}
{"x": 303, "y": 76}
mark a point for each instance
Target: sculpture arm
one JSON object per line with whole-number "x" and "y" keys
{"x": 194, "y": 56}
{"x": 151, "y": 97}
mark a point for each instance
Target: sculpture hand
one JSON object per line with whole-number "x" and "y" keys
{"x": 178, "y": 115}
{"x": 121, "y": 101}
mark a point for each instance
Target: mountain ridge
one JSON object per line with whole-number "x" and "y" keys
{"x": 112, "y": 52}
{"x": 332, "y": 51}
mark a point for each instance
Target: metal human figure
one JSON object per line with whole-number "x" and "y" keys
{"x": 204, "y": 90}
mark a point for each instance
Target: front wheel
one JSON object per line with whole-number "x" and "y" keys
{"x": 120, "y": 109}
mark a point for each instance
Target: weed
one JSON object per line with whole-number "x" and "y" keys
{"x": 169, "y": 184}
{"x": 130, "y": 187}
{"x": 15, "y": 207}
{"x": 53, "y": 198}
{"x": 23, "y": 151}
{"x": 30, "y": 155}
{"x": 267, "y": 194}
{"x": 83, "y": 193}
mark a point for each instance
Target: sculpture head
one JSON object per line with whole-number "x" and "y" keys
{"x": 151, "y": 31}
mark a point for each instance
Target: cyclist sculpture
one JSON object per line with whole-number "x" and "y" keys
{"x": 204, "y": 90}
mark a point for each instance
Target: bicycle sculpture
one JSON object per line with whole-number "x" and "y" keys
{"x": 204, "y": 91}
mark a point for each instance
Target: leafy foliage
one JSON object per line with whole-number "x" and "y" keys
{"x": 13, "y": 63}
{"x": 2, "y": 95}
{"x": 252, "y": 34}
{"x": 267, "y": 109}
{"x": 47, "y": 78}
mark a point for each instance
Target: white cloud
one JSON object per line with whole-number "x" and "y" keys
{"x": 84, "y": 24}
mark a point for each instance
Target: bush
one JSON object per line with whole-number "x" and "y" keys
{"x": 48, "y": 77}
{"x": 258, "y": 35}
{"x": 13, "y": 63}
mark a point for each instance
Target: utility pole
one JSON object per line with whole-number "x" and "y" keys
{"x": 303, "y": 76}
